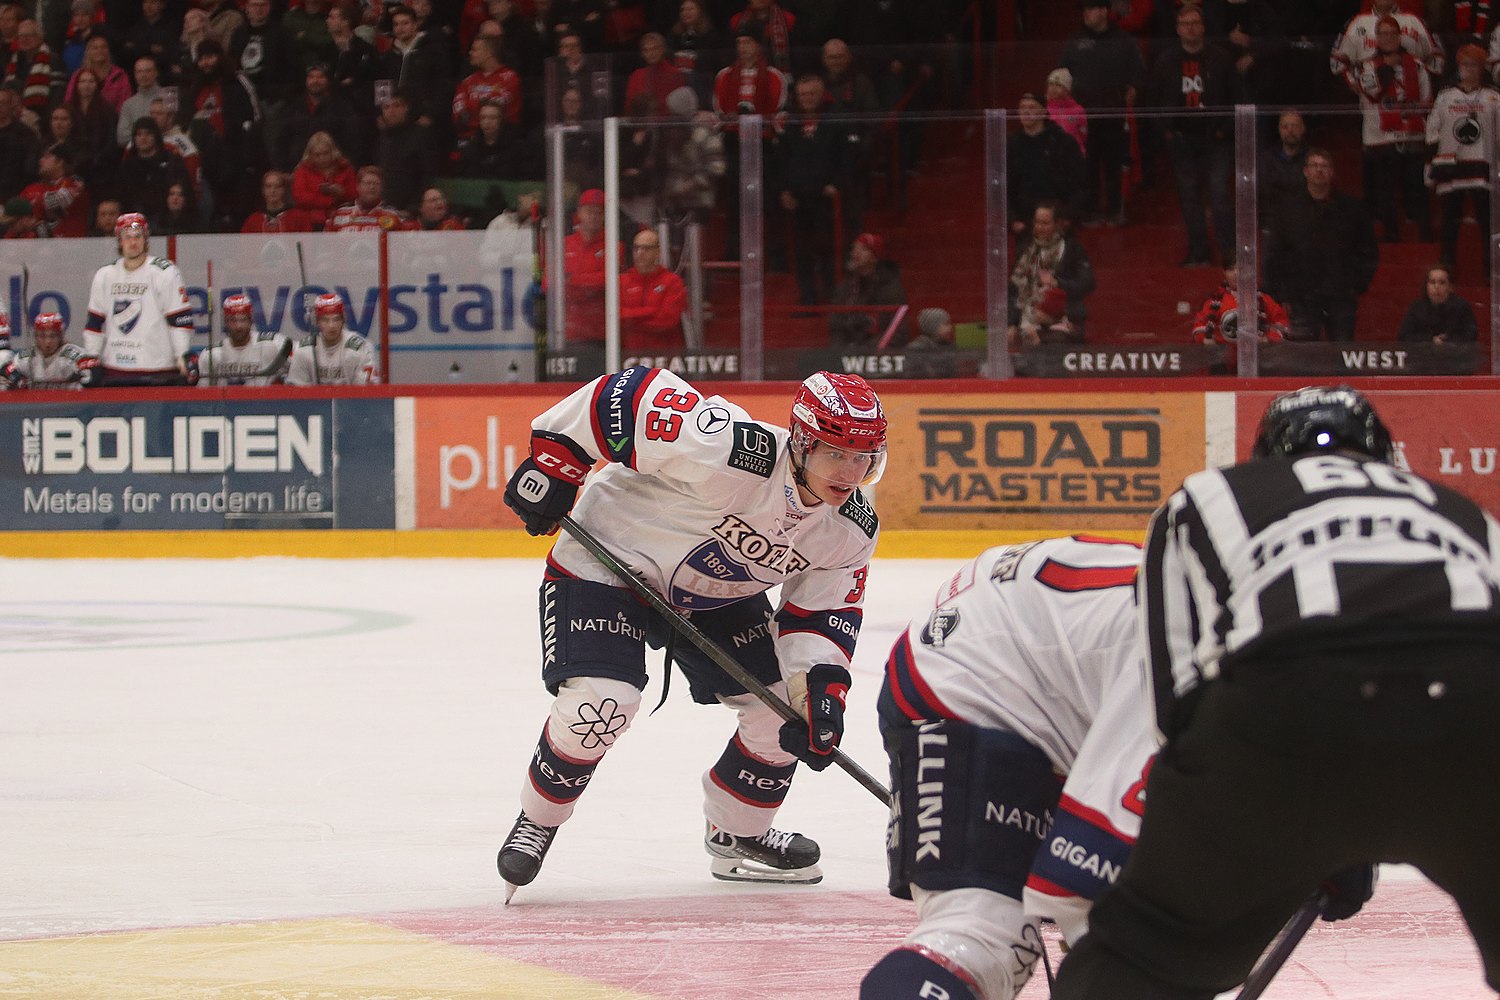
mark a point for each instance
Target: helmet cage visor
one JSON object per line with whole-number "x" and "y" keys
{"x": 837, "y": 464}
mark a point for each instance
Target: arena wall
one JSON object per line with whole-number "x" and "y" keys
{"x": 419, "y": 471}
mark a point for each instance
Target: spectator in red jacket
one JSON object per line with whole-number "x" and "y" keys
{"x": 433, "y": 215}
{"x": 277, "y": 214}
{"x": 652, "y": 300}
{"x": 59, "y": 202}
{"x": 749, "y": 86}
{"x": 324, "y": 179}
{"x": 657, "y": 78}
{"x": 368, "y": 212}
{"x": 1217, "y": 321}
{"x": 491, "y": 80}
{"x": 583, "y": 266}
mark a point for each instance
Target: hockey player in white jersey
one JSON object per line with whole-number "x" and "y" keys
{"x": 244, "y": 357}
{"x": 140, "y": 324}
{"x": 711, "y": 509}
{"x": 331, "y": 356}
{"x": 1027, "y": 669}
{"x": 49, "y": 363}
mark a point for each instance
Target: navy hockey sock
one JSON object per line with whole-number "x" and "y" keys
{"x": 750, "y": 779}
{"x": 557, "y": 777}
{"x": 905, "y": 974}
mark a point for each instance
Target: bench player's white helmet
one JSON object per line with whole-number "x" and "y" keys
{"x": 238, "y": 305}
{"x": 132, "y": 222}
{"x": 837, "y": 418}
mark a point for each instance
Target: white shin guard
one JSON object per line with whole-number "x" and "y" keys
{"x": 982, "y": 932}
{"x": 588, "y": 715}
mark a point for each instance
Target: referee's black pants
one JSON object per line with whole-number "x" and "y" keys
{"x": 1286, "y": 774}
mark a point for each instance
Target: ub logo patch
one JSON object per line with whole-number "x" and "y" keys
{"x": 754, "y": 450}
{"x": 940, "y": 625}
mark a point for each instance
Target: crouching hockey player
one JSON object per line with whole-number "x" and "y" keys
{"x": 711, "y": 509}
{"x": 1027, "y": 670}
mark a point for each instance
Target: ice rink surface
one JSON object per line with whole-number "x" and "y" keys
{"x": 278, "y": 778}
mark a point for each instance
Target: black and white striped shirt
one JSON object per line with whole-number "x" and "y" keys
{"x": 1280, "y": 557}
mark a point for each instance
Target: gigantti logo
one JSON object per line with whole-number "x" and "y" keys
{"x": 1041, "y": 461}
{"x": 112, "y": 445}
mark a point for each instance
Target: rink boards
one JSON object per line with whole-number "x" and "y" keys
{"x": 421, "y": 470}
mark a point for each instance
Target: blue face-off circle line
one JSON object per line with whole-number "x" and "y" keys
{"x": 360, "y": 622}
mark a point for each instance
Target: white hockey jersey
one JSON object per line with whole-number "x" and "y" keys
{"x": 57, "y": 372}
{"x": 1041, "y": 640}
{"x": 139, "y": 320}
{"x": 351, "y": 361}
{"x": 699, "y": 500}
{"x": 261, "y": 361}
{"x": 1459, "y": 126}
{"x": 1356, "y": 43}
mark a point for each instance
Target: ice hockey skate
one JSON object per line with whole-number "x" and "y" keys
{"x": 521, "y": 857}
{"x": 774, "y": 856}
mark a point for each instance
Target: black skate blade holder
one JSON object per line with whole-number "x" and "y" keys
{"x": 713, "y": 651}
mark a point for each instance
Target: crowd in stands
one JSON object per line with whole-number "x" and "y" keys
{"x": 1425, "y": 140}
{"x": 299, "y": 115}
{"x": 248, "y": 88}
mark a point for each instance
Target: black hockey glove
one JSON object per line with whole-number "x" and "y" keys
{"x": 12, "y": 375}
{"x": 1348, "y": 891}
{"x": 813, "y": 737}
{"x": 190, "y": 373}
{"x": 545, "y": 487}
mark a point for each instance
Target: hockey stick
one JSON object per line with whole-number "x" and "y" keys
{"x": 713, "y": 651}
{"x": 212, "y": 354}
{"x": 1281, "y": 949}
{"x": 25, "y": 324}
{"x": 307, "y": 312}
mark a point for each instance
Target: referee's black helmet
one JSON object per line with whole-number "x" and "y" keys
{"x": 1322, "y": 418}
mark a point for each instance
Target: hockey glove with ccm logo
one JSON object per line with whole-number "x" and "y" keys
{"x": 545, "y": 486}
{"x": 818, "y": 695}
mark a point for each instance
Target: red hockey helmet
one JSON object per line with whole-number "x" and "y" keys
{"x": 842, "y": 414}
{"x": 329, "y": 304}
{"x": 238, "y": 305}
{"x": 131, "y": 221}
{"x": 47, "y": 322}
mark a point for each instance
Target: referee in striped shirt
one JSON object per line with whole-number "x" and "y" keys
{"x": 1322, "y": 632}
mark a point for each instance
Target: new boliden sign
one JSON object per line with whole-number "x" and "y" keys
{"x": 1037, "y": 461}
{"x": 194, "y": 462}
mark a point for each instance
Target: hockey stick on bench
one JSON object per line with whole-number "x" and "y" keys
{"x": 1281, "y": 949}
{"x": 713, "y": 651}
